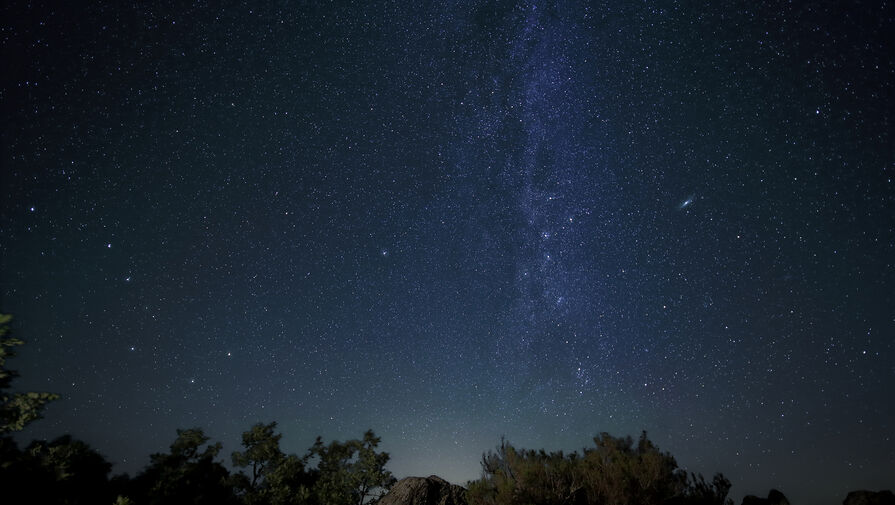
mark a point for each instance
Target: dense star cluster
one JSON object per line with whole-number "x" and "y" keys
{"x": 449, "y": 222}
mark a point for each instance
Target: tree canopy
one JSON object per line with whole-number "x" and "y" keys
{"x": 614, "y": 471}
{"x": 351, "y": 473}
{"x": 16, "y": 409}
{"x": 67, "y": 471}
{"x": 274, "y": 477}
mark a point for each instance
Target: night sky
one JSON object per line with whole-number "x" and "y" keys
{"x": 452, "y": 221}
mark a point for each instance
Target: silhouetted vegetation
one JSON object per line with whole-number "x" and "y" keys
{"x": 68, "y": 471}
{"x": 187, "y": 474}
{"x": 351, "y": 473}
{"x": 16, "y": 409}
{"x": 62, "y": 471}
{"x": 615, "y": 471}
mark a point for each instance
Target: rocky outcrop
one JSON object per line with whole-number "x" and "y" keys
{"x": 869, "y": 498}
{"x": 430, "y": 490}
{"x": 774, "y": 498}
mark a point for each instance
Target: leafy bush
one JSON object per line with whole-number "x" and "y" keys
{"x": 615, "y": 472}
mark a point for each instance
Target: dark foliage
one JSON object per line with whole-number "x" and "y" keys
{"x": 351, "y": 473}
{"x": 68, "y": 472}
{"x": 16, "y": 409}
{"x": 188, "y": 474}
{"x": 274, "y": 478}
{"x": 64, "y": 471}
{"x": 615, "y": 471}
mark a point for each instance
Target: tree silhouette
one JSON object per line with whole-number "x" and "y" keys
{"x": 262, "y": 452}
{"x": 351, "y": 473}
{"x": 615, "y": 471}
{"x": 185, "y": 475}
{"x": 64, "y": 471}
{"x": 275, "y": 479}
{"x": 16, "y": 409}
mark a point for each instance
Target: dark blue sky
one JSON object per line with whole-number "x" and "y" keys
{"x": 453, "y": 221}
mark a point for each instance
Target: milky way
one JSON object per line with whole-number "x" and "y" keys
{"x": 456, "y": 222}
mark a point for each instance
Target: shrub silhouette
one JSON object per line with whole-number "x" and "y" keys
{"x": 185, "y": 475}
{"x": 616, "y": 471}
{"x": 64, "y": 470}
{"x": 275, "y": 478}
{"x": 16, "y": 409}
{"x": 352, "y": 472}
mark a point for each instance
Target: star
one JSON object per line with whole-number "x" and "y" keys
{"x": 555, "y": 205}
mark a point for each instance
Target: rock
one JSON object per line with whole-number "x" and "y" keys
{"x": 774, "y": 498}
{"x": 869, "y": 498}
{"x": 431, "y": 490}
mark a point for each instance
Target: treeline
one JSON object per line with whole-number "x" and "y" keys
{"x": 68, "y": 471}
{"x": 615, "y": 471}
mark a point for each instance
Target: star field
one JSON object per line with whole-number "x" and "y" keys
{"x": 451, "y": 222}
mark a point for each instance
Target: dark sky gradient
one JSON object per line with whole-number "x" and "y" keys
{"x": 451, "y": 221}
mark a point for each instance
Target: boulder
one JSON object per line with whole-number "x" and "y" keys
{"x": 869, "y": 498}
{"x": 430, "y": 490}
{"x": 774, "y": 498}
